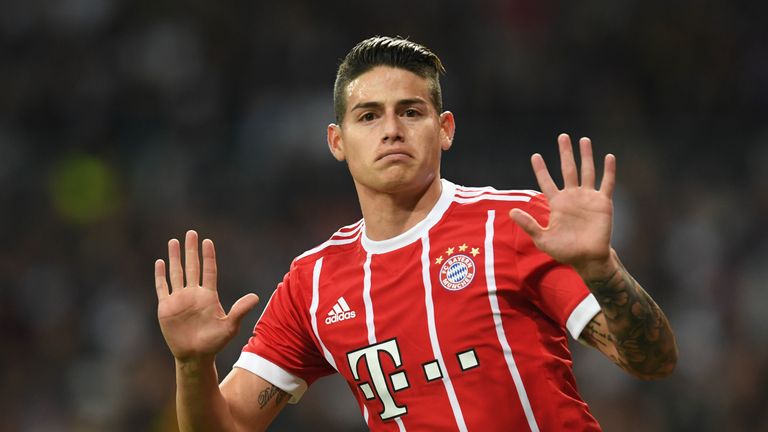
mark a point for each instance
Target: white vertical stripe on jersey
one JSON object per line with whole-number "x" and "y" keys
{"x": 369, "y": 323}
{"x": 368, "y": 312}
{"x": 400, "y": 424}
{"x": 490, "y": 276}
{"x": 313, "y": 310}
{"x": 367, "y": 300}
{"x": 455, "y": 407}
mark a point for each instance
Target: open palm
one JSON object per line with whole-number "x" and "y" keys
{"x": 191, "y": 317}
{"x": 581, "y": 216}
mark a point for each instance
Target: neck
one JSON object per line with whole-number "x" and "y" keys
{"x": 390, "y": 214}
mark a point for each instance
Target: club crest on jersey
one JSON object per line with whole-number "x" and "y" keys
{"x": 457, "y": 272}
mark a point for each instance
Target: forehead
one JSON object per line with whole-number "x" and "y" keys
{"x": 384, "y": 83}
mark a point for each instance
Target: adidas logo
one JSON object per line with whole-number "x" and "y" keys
{"x": 340, "y": 312}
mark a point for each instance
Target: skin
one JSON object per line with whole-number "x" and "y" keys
{"x": 391, "y": 139}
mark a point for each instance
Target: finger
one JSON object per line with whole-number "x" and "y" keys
{"x": 242, "y": 307}
{"x": 609, "y": 176}
{"x": 209, "y": 265}
{"x": 191, "y": 259}
{"x": 587, "y": 163}
{"x": 526, "y": 222}
{"x": 546, "y": 184}
{"x": 174, "y": 264}
{"x": 161, "y": 283}
{"x": 567, "y": 161}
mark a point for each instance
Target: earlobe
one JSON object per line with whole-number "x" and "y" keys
{"x": 448, "y": 129}
{"x": 447, "y": 142}
{"x": 335, "y": 142}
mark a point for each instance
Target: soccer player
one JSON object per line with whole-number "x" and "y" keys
{"x": 446, "y": 307}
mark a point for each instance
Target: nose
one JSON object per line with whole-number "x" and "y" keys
{"x": 392, "y": 128}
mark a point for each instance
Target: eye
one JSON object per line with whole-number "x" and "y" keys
{"x": 411, "y": 112}
{"x": 366, "y": 117}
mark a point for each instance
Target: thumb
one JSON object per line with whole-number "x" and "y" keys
{"x": 526, "y": 222}
{"x": 242, "y": 306}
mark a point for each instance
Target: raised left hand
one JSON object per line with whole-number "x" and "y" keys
{"x": 581, "y": 216}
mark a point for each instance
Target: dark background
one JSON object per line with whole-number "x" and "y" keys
{"x": 124, "y": 123}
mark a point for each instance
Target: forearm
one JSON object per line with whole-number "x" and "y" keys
{"x": 200, "y": 405}
{"x": 644, "y": 341}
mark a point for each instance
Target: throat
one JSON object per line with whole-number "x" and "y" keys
{"x": 389, "y": 215}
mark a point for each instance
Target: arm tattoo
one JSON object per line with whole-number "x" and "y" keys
{"x": 636, "y": 326}
{"x": 597, "y": 334}
{"x": 267, "y": 394}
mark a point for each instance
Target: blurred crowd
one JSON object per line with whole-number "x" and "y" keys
{"x": 122, "y": 124}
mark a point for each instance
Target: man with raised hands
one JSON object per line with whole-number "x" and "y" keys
{"x": 445, "y": 307}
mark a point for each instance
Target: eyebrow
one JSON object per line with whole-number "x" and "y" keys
{"x": 401, "y": 102}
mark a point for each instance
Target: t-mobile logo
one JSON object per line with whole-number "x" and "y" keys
{"x": 372, "y": 363}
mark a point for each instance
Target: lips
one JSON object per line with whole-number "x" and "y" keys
{"x": 394, "y": 154}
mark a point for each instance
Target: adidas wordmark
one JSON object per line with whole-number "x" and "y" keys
{"x": 340, "y": 312}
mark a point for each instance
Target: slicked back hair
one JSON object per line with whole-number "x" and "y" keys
{"x": 396, "y": 52}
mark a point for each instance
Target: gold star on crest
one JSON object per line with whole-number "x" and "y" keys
{"x": 463, "y": 247}
{"x": 438, "y": 260}
{"x": 475, "y": 252}
{"x": 449, "y": 251}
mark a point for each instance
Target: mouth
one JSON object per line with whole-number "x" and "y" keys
{"x": 394, "y": 155}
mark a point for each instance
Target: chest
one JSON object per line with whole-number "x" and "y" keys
{"x": 438, "y": 298}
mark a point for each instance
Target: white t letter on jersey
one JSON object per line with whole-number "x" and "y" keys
{"x": 378, "y": 378}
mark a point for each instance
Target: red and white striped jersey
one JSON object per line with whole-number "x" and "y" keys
{"x": 459, "y": 323}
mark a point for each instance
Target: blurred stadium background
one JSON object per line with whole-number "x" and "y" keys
{"x": 123, "y": 123}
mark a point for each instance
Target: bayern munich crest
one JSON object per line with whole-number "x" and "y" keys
{"x": 457, "y": 272}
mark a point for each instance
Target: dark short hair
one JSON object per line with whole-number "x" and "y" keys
{"x": 396, "y": 52}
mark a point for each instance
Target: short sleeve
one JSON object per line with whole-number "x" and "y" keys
{"x": 555, "y": 288}
{"x": 281, "y": 349}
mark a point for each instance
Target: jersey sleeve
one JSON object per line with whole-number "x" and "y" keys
{"x": 554, "y": 288}
{"x": 281, "y": 349}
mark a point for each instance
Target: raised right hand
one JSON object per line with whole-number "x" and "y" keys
{"x": 191, "y": 318}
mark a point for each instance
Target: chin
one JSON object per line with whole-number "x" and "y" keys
{"x": 404, "y": 182}
{"x": 395, "y": 179}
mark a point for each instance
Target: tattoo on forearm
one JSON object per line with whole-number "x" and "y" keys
{"x": 597, "y": 335}
{"x": 269, "y": 393}
{"x": 636, "y": 326}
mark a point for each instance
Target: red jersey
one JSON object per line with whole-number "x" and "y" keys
{"x": 459, "y": 323}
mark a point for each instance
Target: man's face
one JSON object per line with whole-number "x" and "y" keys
{"x": 391, "y": 135}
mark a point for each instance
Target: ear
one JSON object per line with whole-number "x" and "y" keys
{"x": 335, "y": 142}
{"x": 447, "y": 130}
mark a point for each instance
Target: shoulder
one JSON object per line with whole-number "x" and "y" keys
{"x": 339, "y": 241}
{"x": 489, "y": 195}
{"x": 470, "y": 200}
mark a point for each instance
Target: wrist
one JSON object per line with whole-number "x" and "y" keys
{"x": 194, "y": 365}
{"x": 599, "y": 270}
